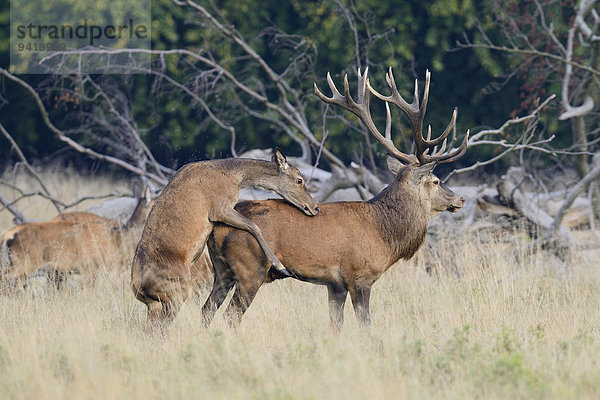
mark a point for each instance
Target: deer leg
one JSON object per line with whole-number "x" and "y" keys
{"x": 337, "y": 298}
{"x": 164, "y": 305}
{"x": 154, "y": 317}
{"x": 248, "y": 281}
{"x": 231, "y": 217}
{"x": 223, "y": 282}
{"x": 161, "y": 314}
{"x": 360, "y": 301}
{"x": 241, "y": 300}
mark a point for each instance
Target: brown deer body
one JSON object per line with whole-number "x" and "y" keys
{"x": 352, "y": 243}
{"x": 70, "y": 242}
{"x": 199, "y": 195}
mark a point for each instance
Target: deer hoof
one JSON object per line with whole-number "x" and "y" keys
{"x": 279, "y": 273}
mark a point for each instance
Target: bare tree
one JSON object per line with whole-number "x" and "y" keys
{"x": 545, "y": 51}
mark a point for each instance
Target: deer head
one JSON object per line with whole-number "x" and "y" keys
{"x": 143, "y": 196}
{"x": 291, "y": 185}
{"x": 410, "y": 169}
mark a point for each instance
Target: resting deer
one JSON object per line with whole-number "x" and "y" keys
{"x": 351, "y": 243}
{"x": 71, "y": 242}
{"x": 200, "y": 195}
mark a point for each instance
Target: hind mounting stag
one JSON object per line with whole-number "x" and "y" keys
{"x": 199, "y": 195}
{"x": 351, "y": 243}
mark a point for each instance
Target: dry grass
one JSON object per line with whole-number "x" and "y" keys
{"x": 487, "y": 327}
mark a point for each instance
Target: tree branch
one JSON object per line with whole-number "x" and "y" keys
{"x": 20, "y": 218}
{"x": 520, "y": 144}
{"x": 73, "y": 144}
{"x": 572, "y": 195}
{"x": 28, "y": 166}
{"x": 294, "y": 118}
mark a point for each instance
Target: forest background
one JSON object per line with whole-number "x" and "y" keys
{"x": 303, "y": 41}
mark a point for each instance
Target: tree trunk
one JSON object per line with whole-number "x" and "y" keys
{"x": 580, "y": 138}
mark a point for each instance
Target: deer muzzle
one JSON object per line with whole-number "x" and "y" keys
{"x": 312, "y": 211}
{"x": 456, "y": 206}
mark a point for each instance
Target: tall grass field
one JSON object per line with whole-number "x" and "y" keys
{"x": 483, "y": 324}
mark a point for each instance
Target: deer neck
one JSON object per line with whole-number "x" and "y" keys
{"x": 137, "y": 218}
{"x": 402, "y": 218}
{"x": 258, "y": 174}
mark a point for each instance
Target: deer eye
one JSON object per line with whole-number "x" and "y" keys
{"x": 299, "y": 181}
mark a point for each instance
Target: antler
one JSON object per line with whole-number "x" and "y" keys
{"x": 362, "y": 110}
{"x": 416, "y": 114}
{"x": 413, "y": 111}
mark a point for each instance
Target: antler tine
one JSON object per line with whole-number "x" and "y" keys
{"x": 336, "y": 97}
{"x": 347, "y": 94}
{"x": 362, "y": 111}
{"x": 442, "y": 148}
{"x": 395, "y": 97}
{"x": 423, "y": 107}
{"x": 453, "y": 155}
{"x": 362, "y": 85}
{"x": 426, "y": 151}
{"x": 436, "y": 151}
{"x": 416, "y": 93}
{"x": 432, "y": 143}
{"x": 388, "y": 122}
{"x": 438, "y": 156}
{"x": 332, "y": 86}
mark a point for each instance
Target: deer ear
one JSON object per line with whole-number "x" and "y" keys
{"x": 393, "y": 164}
{"x": 147, "y": 195}
{"x": 279, "y": 158}
{"x": 422, "y": 171}
{"x": 137, "y": 189}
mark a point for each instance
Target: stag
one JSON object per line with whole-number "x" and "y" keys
{"x": 351, "y": 243}
{"x": 200, "y": 195}
{"x": 68, "y": 243}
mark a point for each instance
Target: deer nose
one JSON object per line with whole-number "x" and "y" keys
{"x": 310, "y": 211}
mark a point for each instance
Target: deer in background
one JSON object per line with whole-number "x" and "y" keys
{"x": 70, "y": 242}
{"x": 351, "y": 243}
{"x": 200, "y": 195}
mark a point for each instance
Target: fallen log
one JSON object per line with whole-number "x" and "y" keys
{"x": 540, "y": 223}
